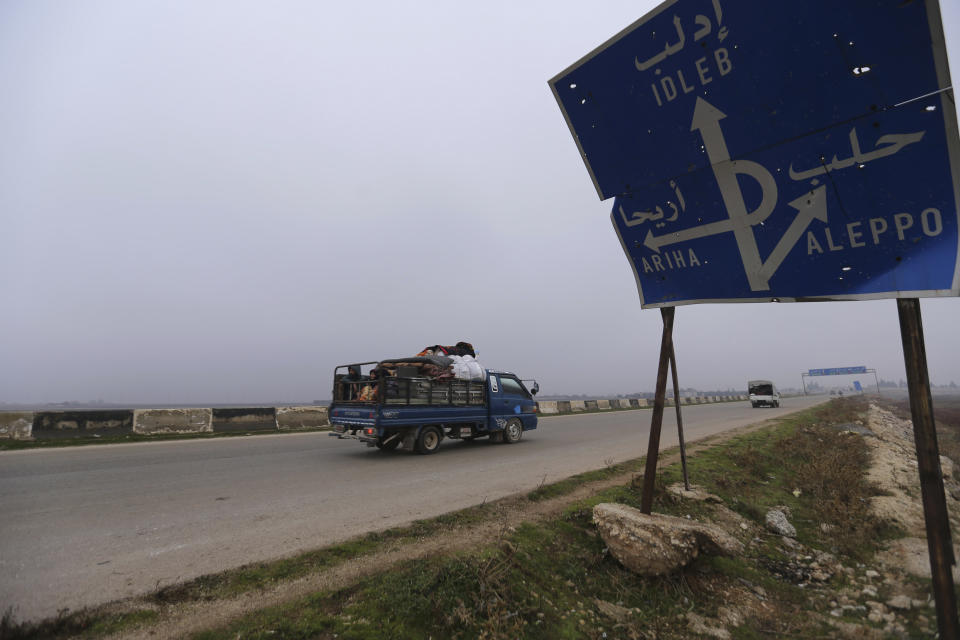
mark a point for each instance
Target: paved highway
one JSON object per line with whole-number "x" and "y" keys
{"x": 81, "y": 526}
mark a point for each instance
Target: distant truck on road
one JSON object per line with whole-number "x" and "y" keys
{"x": 763, "y": 393}
{"x": 395, "y": 404}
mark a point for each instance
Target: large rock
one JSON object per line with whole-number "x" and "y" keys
{"x": 776, "y": 521}
{"x": 695, "y": 493}
{"x": 656, "y": 544}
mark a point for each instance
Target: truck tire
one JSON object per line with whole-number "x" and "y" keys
{"x": 513, "y": 431}
{"x": 429, "y": 440}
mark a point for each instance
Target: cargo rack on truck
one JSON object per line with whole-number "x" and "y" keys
{"x": 404, "y": 389}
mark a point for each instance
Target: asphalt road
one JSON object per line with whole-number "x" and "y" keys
{"x": 81, "y": 526}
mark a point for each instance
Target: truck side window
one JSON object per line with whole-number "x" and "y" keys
{"x": 512, "y": 386}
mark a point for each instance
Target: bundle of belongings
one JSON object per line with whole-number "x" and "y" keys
{"x": 459, "y": 349}
{"x": 437, "y": 362}
{"x": 463, "y": 365}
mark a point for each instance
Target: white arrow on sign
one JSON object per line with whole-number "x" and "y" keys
{"x": 710, "y": 229}
{"x": 706, "y": 120}
{"x": 810, "y": 207}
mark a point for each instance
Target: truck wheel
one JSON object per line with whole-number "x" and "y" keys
{"x": 389, "y": 446}
{"x": 429, "y": 440}
{"x": 513, "y": 431}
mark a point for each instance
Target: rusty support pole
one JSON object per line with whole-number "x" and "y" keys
{"x": 656, "y": 420}
{"x": 939, "y": 544}
{"x": 676, "y": 401}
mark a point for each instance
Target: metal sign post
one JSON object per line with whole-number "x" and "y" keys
{"x": 656, "y": 420}
{"x": 677, "y": 402}
{"x": 939, "y": 543}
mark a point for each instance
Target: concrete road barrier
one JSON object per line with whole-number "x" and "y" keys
{"x": 16, "y": 425}
{"x": 244, "y": 419}
{"x": 301, "y": 417}
{"x": 548, "y": 407}
{"x": 25, "y": 425}
{"x": 81, "y": 423}
{"x": 149, "y": 421}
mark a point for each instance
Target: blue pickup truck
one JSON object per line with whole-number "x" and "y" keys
{"x": 418, "y": 412}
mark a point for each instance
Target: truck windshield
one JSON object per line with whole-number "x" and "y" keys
{"x": 512, "y": 385}
{"x": 761, "y": 390}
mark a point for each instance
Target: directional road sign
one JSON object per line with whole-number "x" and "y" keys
{"x": 837, "y": 371}
{"x": 770, "y": 151}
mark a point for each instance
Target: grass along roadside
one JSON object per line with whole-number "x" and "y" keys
{"x": 554, "y": 579}
{"x": 542, "y": 576}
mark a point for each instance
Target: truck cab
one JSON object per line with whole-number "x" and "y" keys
{"x": 510, "y": 399}
{"x": 763, "y": 393}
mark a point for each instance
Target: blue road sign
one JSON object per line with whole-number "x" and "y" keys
{"x": 857, "y": 386}
{"x": 837, "y": 371}
{"x": 769, "y": 151}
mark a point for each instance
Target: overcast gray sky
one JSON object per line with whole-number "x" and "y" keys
{"x": 219, "y": 201}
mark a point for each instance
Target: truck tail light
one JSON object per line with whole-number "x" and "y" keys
{"x": 370, "y": 431}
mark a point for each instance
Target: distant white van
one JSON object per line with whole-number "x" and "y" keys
{"x": 763, "y": 393}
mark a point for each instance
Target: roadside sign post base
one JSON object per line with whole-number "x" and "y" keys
{"x": 939, "y": 542}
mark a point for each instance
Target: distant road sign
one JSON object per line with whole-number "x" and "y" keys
{"x": 765, "y": 151}
{"x": 857, "y": 385}
{"x": 837, "y": 371}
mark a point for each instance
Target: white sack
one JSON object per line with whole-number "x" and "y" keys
{"x": 467, "y": 368}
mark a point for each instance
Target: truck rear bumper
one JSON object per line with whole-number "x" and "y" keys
{"x": 366, "y": 434}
